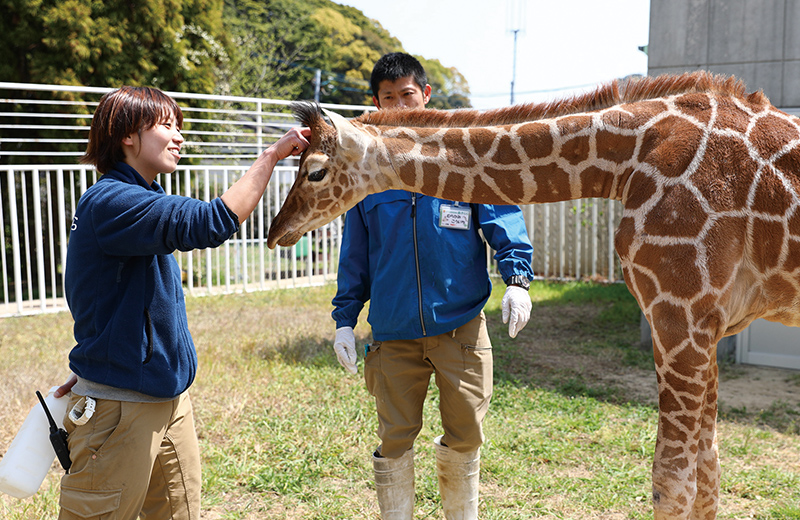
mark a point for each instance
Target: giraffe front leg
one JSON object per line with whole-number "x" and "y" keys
{"x": 674, "y": 465}
{"x": 685, "y": 467}
{"x": 686, "y": 473}
{"x": 708, "y": 467}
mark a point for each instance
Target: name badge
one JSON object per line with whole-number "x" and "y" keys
{"x": 454, "y": 217}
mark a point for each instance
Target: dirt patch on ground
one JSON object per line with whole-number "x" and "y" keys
{"x": 560, "y": 344}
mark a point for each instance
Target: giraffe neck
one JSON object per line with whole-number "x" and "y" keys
{"x": 566, "y": 158}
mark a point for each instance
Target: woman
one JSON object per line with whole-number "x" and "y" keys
{"x": 132, "y": 440}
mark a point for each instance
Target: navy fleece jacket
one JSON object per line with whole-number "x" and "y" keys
{"x": 123, "y": 285}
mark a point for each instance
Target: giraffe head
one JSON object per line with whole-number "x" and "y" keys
{"x": 338, "y": 169}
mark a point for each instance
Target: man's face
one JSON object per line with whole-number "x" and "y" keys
{"x": 401, "y": 93}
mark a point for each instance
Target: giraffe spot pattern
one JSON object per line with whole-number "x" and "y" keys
{"x": 678, "y": 213}
{"x": 535, "y": 140}
{"x": 671, "y": 144}
{"x": 505, "y": 153}
{"x": 771, "y": 196}
{"x": 770, "y": 134}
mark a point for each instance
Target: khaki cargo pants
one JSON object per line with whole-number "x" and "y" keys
{"x": 133, "y": 458}
{"x": 397, "y": 374}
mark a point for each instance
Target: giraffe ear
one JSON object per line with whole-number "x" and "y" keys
{"x": 352, "y": 141}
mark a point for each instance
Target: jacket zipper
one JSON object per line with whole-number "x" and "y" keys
{"x": 416, "y": 258}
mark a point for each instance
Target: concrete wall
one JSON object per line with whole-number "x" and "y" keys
{"x": 757, "y": 41}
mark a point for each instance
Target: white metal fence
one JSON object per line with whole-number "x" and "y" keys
{"x": 43, "y": 131}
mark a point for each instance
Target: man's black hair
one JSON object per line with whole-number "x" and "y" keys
{"x": 394, "y": 66}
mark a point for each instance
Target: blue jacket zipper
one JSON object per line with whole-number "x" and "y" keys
{"x": 416, "y": 259}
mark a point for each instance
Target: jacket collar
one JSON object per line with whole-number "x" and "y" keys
{"x": 124, "y": 172}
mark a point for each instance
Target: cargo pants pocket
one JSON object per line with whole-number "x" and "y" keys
{"x": 89, "y": 504}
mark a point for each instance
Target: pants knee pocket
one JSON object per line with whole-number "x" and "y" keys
{"x": 90, "y": 504}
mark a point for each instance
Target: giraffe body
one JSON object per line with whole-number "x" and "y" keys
{"x": 709, "y": 240}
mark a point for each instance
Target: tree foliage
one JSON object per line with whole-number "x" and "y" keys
{"x": 262, "y": 48}
{"x": 171, "y": 44}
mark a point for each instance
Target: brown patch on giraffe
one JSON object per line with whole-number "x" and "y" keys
{"x": 430, "y": 177}
{"x": 596, "y": 182}
{"x": 794, "y": 223}
{"x": 324, "y": 203}
{"x": 779, "y": 292}
{"x": 407, "y": 171}
{"x": 536, "y": 140}
{"x": 505, "y": 153}
{"x": 673, "y": 457}
{"x": 337, "y": 191}
{"x": 552, "y": 183}
{"x": 670, "y": 145}
{"x": 789, "y": 165}
{"x": 576, "y": 150}
{"x": 731, "y": 117}
{"x": 687, "y": 362}
{"x": 456, "y": 150}
{"x": 402, "y": 144}
{"x": 615, "y": 147}
{"x": 724, "y": 248}
{"x": 769, "y": 236}
{"x": 671, "y": 325}
{"x": 429, "y": 149}
{"x": 573, "y": 124}
{"x": 455, "y": 186}
{"x": 482, "y": 193}
{"x": 770, "y": 134}
{"x": 677, "y": 214}
{"x": 481, "y": 140}
{"x": 704, "y": 311}
{"x": 645, "y": 286}
{"x": 674, "y": 265}
{"x": 509, "y": 181}
{"x": 695, "y": 104}
{"x": 623, "y": 238}
{"x": 642, "y": 111}
{"x": 642, "y": 188}
{"x": 771, "y": 195}
{"x": 725, "y": 174}
{"x": 792, "y": 257}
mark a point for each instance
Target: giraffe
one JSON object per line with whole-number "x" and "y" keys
{"x": 709, "y": 240}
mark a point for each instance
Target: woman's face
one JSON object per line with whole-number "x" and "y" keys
{"x": 155, "y": 150}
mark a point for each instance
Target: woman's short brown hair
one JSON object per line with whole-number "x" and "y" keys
{"x": 121, "y": 113}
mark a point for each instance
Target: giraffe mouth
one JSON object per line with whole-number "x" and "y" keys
{"x": 286, "y": 240}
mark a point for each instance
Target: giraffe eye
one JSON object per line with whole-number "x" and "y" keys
{"x": 318, "y": 175}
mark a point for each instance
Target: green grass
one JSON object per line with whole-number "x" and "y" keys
{"x": 287, "y": 434}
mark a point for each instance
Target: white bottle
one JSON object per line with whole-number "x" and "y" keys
{"x": 30, "y": 456}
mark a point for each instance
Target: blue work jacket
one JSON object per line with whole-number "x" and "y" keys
{"x": 423, "y": 279}
{"x": 123, "y": 286}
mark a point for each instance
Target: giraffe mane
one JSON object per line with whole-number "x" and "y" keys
{"x": 604, "y": 96}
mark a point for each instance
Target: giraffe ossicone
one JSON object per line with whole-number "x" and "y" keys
{"x": 709, "y": 240}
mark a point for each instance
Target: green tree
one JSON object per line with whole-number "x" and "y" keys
{"x": 275, "y": 44}
{"x": 449, "y": 88}
{"x": 172, "y": 44}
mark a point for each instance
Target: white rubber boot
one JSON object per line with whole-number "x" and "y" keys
{"x": 458, "y": 481}
{"x": 394, "y": 482}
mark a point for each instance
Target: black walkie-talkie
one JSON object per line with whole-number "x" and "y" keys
{"x": 58, "y": 437}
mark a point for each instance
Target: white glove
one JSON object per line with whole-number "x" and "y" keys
{"x": 345, "y": 347}
{"x": 516, "y": 309}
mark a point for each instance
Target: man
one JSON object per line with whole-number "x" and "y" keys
{"x": 422, "y": 263}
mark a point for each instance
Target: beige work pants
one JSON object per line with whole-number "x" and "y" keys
{"x": 397, "y": 374}
{"x": 133, "y": 459}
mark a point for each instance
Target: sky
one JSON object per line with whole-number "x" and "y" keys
{"x": 563, "y": 46}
